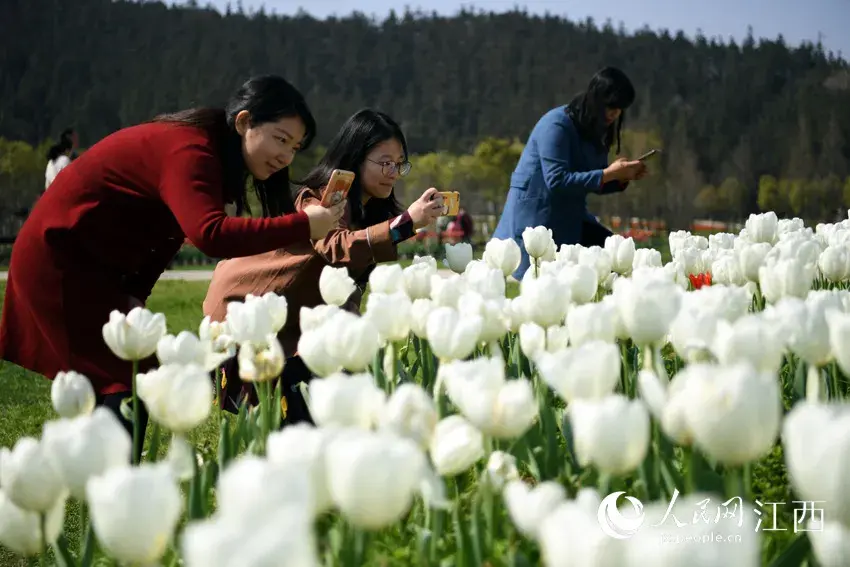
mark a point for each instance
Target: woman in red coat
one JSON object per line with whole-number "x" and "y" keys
{"x": 116, "y": 216}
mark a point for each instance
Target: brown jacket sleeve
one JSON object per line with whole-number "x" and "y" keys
{"x": 355, "y": 249}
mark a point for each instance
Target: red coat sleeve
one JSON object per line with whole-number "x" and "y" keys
{"x": 191, "y": 186}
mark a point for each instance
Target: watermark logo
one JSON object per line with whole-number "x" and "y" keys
{"x": 613, "y": 523}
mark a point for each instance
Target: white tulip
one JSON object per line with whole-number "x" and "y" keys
{"x": 647, "y": 307}
{"x": 20, "y": 530}
{"x": 753, "y": 338}
{"x": 589, "y": 371}
{"x": 373, "y": 477}
{"x": 501, "y": 408}
{"x": 751, "y": 258}
{"x": 458, "y": 256}
{"x": 134, "y": 511}
{"x": 572, "y": 530}
{"x": 250, "y": 321}
{"x": 597, "y": 258}
{"x": 390, "y": 315}
{"x": 86, "y": 446}
{"x": 611, "y": 433}
{"x": 253, "y": 539}
{"x": 177, "y": 397}
{"x": 410, "y": 412}
{"x": 417, "y": 279}
{"x": 725, "y": 270}
{"x": 451, "y": 336}
{"x": 501, "y": 469}
{"x": 830, "y": 542}
{"x": 487, "y": 281}
{"x": 834, "y": 263}
{"x": 494, "y": 323}
{"x": 387, "y": 278}
{"x": 721, "y": 241}
{"x": 446, "y": 291}
{"x": 670, "y": 530}
{"x": 355, "y": 342}
{"x": 568, "y": 253}
{"x": 815, "y": 438}
{"x": 186, "y": 348}
{"x": 762, "y": 227}
{"x": 346, "y": 400}
{"x": 251, "y": 485}
{"x": 537, "y": 240}
{"x": 786, "y": 278}
{"x": 216, "y": 333}
{"x": 335, "y": 285}
{"x": 30, "y": 477}
{"x": 529, "y": 506}
{"x": 134, "y": 336}
{"x": 420, "y": 310}
{"x": 592, "y": 322}
{"x": 504, "y": 255}
{"x": 302, "y": 446}
{"x": 545, "y": 300}
{"x": 732, "y": 412}
{"x": 316, "y": 350}
{"x": 455, "y": 446}
{"x": 310, "y": 318}
{"x": 72, "y": 394}
{"x": 581, "y": 282}
{"x": 646, "y": 258}
{"x": 261, "y": 363}
{"x": 274, "y": 304}
{"x": 622, "y": 253}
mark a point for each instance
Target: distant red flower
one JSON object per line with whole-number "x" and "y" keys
{"x": 700, "y": 280}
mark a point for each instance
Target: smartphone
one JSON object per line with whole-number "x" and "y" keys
{"x": 451, "y": 202}
{"x": 338, "y": 186}
{"x": 648, "y": 154}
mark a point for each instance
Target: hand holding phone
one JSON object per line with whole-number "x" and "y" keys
{"x": 451, "y": 202}
{"x": 648, "y": 155}
{"x": 338, "y": 187}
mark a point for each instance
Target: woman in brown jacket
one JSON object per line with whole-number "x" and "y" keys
{"x": 373, "y": 146}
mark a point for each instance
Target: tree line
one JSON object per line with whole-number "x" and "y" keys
{"x": 742, "y": 127}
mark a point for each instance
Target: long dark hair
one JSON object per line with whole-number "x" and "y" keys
{"x": 58, "y": 149}
{"x": 608, "y": 88}
{"x": 361, "y": 132}
{"x": 267, "y": 98}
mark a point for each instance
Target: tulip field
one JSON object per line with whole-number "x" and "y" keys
{"x": 614, "y": 408}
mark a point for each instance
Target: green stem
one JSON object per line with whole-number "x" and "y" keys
{"x": 137, "y": 423}
{"x": 43, "y": 523}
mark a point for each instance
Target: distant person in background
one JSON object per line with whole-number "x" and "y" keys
{"x": 372, "y": 145}
{"x": 565, "y": 160}
{"x": 69, "y": 136}
{"x": 464, "y": 222}
{"x": 58, "y": 158}
{"x": 100, "y": 239}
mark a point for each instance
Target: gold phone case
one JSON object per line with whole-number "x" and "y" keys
{"x": 451, "y": 202}
{"x": 338, "y": 186}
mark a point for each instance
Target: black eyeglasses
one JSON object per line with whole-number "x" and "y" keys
{"x": 389, "y": 167}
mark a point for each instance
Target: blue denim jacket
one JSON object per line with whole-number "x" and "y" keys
{"x": 549, "y": 187}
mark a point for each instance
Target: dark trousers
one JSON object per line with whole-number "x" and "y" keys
{"x": 593, "y": 234}
{"x": 234, "y": 391}
{"x": 113, "y": 403}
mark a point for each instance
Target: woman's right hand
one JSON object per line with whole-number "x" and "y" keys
{"x": 426, "y": 208}
{"x": 324, "y": 219}
{"x": 623, "y": 170}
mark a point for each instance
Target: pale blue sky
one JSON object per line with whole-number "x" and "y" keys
{"x": 796, "y": 20}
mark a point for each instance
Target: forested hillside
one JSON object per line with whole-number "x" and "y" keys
{"x": 726, "y": 115}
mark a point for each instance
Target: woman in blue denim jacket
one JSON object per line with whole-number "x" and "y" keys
{"x": 565, "y": 159}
